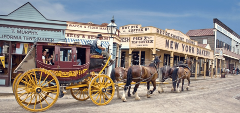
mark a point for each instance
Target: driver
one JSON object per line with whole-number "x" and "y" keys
{"x": 98, "y": 48}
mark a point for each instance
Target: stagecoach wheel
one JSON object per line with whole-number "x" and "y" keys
{"x": 15, "y": 80}
{"x": 81, "y": 93}
{"x": 32, "y": 88}
{"x": 22, "y": 86}
{"x": 101, "y": 90}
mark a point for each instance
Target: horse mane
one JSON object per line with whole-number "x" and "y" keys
{"x": 151, "y": 65}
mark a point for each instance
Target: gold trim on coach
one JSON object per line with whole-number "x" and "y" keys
{"x": 69, "y": 73}
{"x": 96, "y": 56}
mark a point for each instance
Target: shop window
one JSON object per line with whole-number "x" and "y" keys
{"x": 204, "y": 41}
{"x": 4, "y": 55}
{"x": 142, "y": 57}
{"x": 217, "y": 44}
{"x": 135, "y": 58}
{"x": 123, "y": 59}
{"x": 65, "y": 54}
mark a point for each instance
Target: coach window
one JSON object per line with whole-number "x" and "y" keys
{"x": 65, "y": 54}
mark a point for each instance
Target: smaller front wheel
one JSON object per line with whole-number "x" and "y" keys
{"x": 101, "y": 90}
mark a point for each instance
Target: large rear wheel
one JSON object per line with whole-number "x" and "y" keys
{"x": 101, "y": 90}
{"x": 34, "y": 86}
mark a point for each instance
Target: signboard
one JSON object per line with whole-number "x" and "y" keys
{"x": 29, "y": 35}
{"x": 181, "y": 47}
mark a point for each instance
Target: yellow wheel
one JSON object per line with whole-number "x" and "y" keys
{"x": 15, "y": 80}
{"x": 81, "y": 93}
{"x": 101, "y": 90}
{"x": 34, "y": 86}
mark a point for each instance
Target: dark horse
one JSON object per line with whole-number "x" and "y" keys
{"x": 119, "y": 74}
{"x": 177, "y": 74}
{"x": 138, "y": 73}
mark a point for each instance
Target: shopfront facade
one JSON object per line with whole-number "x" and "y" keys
{"x": 141, "y": 44}
{"x": 18, "y": 31}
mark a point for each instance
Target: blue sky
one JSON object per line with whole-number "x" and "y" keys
{"x": 182, "y": 15}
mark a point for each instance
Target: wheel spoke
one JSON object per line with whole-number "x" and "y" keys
{"x": 48, "y": 82}
{"x": 74, "y": 90}
{"x": 95, "y": 94}
{"x": 100, "y": 98}
{"x": 40, "y": 78}
{"x": 106, "y": 95}
{"x": 30, "y": 79}
{"x": 50, "y": 97}
{"x": 40, "y": 100}
{"x": 97, "y": 97}
{"x": 35, "y": 101}
{"x": 45, "y": 99}
{"x": 30, "y": 101}
{"x": 27, "y": 97}
{"x": 35, "y": 78}
{"x": 44, "y": 80}
{"x": 26, "y": 83}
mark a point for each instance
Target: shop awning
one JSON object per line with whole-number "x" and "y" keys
{"x": 85, "y": 41}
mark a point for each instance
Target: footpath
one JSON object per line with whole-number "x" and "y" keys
{"x": 7, "y": 91}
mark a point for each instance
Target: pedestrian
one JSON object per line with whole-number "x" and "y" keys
{"x": 233, "y": 70}
{"x": 237, "y": 70}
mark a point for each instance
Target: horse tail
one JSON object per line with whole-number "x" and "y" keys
{"x": 113, "y": 75}
{"x": 129, "y": 77}
{"x": 174, "y": 77}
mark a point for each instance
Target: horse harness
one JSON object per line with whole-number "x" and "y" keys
{"x": 149, "y": 78}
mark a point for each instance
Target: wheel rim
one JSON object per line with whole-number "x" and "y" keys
{"x": 15, "y": 80}
{"x": 33, "y": 87}
{"x": 101, "y": 90}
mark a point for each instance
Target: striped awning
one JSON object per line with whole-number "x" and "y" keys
{"x": 85, "y": 41}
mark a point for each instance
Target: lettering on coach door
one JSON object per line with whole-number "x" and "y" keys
{"x": 142, "y": 41}
{"x": 185, "y": 48}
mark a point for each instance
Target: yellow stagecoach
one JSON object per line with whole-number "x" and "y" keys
{"x": 38, "y": 84}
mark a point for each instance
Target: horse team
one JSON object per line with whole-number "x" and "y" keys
{"x": 139, "y": 74}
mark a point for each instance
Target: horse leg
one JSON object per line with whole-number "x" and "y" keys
{"x": 160, "y": 89}
{"x": 148, "y": 91}
{"x": 179, "y": 81}
{"x": 129, "y": 94}
{"x": 182, "y": 83}
{"x": 135, "y": 92}
{"x": 188, "y": 78}
{"x": 124, "y": 92}
{"x": 118, "y": 95}
{"x": 154, "y": 88}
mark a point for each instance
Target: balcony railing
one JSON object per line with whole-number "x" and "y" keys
{"x": 225, "y": 52}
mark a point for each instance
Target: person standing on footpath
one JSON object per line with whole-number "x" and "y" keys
{"x": 237, "y": 70}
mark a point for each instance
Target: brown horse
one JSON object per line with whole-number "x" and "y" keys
{"x": 138, "y": 73}
{"x": 119, "y": 74}
{"x": 177, "y": 74}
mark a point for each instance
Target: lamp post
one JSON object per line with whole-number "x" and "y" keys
{"x": 111, "y": 29}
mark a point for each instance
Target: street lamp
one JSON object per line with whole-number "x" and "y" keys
{"x": 111, "y": 29}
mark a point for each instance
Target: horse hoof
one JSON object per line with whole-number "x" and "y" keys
{"x": 137, "y": 98}
{"x": 129, "y": 95}
{"x": 187, "y": 89}
{"x": 148, "y": 96}
{"x": 124, "y": 99}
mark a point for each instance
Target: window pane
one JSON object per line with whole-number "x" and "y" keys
{"x": 204, "y": 41}
{"x": 65, "y": 54}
